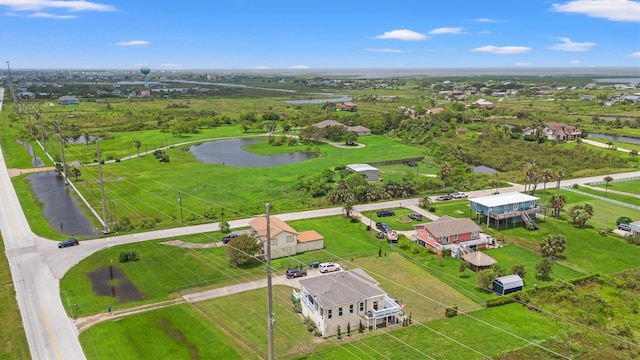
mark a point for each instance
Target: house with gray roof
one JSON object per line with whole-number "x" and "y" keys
{"x": 359, "y": 130}
{"x": 346, "y": 298}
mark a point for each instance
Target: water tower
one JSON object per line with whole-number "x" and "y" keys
{"x": 145, "y": 71}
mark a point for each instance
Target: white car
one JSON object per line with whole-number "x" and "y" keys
{"x": 460, "y": 195}
{"x": 329, "y": 267}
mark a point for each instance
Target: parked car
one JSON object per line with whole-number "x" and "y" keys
{"x": 383, "y": 213}
{"x": 625, "y": 227}
{"x": 226, "y": 239}
{"x": 329, "y": 267}
{"x": 294, "y": 273}
{"x": 444, "y": 197}
{"x": 460, "y": 195}
{"x": 384, "y": 227}
{"x": 415, "y": 216}
{"x": 68, "y": 242}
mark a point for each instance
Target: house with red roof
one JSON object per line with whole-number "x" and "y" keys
{"x": 285, "y": 241}
{"x": 461, "y": 236}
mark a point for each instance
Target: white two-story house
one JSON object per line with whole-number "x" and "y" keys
{"x": 346, "y": 298}
{"x": 285, "y": 241}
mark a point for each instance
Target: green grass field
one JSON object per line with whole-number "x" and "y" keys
{"x": 610, "y": 195}
{"x": 13, "y": 341}
{"x": 632, "y": 187}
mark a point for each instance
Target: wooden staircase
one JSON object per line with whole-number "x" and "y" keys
{"x": 529, "y": 221}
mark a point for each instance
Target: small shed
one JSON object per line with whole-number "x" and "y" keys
{"x": 479, "y": 260}
{"x": 507, "y": 284}
{"x": 372, "y": 173}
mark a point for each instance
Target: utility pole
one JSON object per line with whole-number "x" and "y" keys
{"x": 271, "y": 321}
{"x": 104, "y": 202}
{"x": 64, "y": 163}
{"x": 180, "y": 202}
{"x": 14, "y": 97}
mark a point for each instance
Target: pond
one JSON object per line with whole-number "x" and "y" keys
{"x": 481, "y": 169}
{"x": 62, "y": 210}
{"x": 616, "y": 138}
{"x": 111, "y": 281}
{"x": 230, "y": 152}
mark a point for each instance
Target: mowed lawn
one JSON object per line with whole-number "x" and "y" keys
{"x": 486, "y": 333}
{"x": 632, "y": 187}
{"x": 237, "y": 323}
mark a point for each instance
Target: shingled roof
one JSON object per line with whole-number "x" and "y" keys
{"x": 448, "y": 226}
{"x": 342, "y": 287}
{"x": 259, "y": 225}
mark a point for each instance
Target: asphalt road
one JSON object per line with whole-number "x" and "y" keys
{"x": 37, "y": 264}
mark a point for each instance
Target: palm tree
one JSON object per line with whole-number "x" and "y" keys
{"x": 445, "y": 169}
{"x": 559, "y": 174}
{"x": 557, "y": 203}
{"x": 633, "y": 153}
{"x": 530, "y": 172}
{"x": 137, "y": 144}
{"x": 607, "y": 180}
{"x": 347, "y": 209}
{"x": 547, "y": 174}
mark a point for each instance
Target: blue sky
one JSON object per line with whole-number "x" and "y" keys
{"x": 286, "y": 34}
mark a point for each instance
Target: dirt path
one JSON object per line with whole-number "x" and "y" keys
{"x": 17, "y": 172}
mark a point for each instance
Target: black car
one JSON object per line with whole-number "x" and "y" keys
{"x": 415, "y": 216}
{"x": 226, "y": 239}
{"x": 383, "y": 226}
{"x": 294, "y": 273}
{"x": 68, "y": 242}
{"x": 383, "y": 213}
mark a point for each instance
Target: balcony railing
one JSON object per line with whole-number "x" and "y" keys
{"x": 391, "y": 308}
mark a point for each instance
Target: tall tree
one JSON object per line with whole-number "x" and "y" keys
{"x": 137, "y": 144}
{"x": 557, "y": 203}
{"x": 559, "y": 174}
{"x": 546, "y": 175}
{"x": 347, "y": 209}
{"x": 607, "y": 180}
{"x": 242, "y": 249}
{"x": 581, "y": 214}
{"x": 445, "y": 169}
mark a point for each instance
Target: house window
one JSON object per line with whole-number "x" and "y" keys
{"x": 329, "y": 314}
{"x": 351, "y": 309}
{"x": 430, "y": 236}
{"x": 474, "y": 235}
{"x": 340, "y": 311}
{"x": 533, "y": 203}
{"x": 375, "y": 305}
{"x": 290, "y": 239}
{"x": 361, "y": 306}
{"x": 455, "y": 237}
{"x": 274, "y": 241}
{"x": 515, "y": 206}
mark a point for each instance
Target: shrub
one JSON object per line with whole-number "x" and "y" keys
{"x": 126, "y": 256}
{"x": 451, "y": 311}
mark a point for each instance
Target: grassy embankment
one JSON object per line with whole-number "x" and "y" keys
{"x": 13, "y": 341}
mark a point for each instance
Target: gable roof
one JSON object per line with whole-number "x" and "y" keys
{"x": 342, "y": 287}
{"x": 259, "y": 225}
{"x": 479, "y": 259}
{"x": 503, "y": 199}
{"x": 510, "y": 281}
{"x": 447, "y": 226}
{"x": 560, "y": 127}
{"x": 310, "y": 235}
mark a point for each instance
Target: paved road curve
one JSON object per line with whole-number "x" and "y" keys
{"x": 50, "y": 333}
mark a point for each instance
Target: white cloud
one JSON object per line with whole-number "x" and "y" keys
{"x": 261, "y": 67}
{"x": 133, "y": 43}
{"x": 568, "y": 45}
{"x": 299, "y": 67}
{"x": 487, "y": 20}
{"x": 384, "y": 50}
{"x": 484, "y": 32}
{"x": 502, "y": 49}
{"x": 51, "y": 16}
{"x": 575, "y": 62}
{"x": 447, "y": 30}
{"x": 406, "y": 35}
{"x": 523, "y": 64}
{"x": 635, "y": 54}
{"x": 614, "y": 10}
{"x": 74, "y": 5}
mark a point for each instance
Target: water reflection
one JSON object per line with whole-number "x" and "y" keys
{"x": 230, "y": 152}
{"x": 615, "y": 138}
{"x": 62, "y": 210}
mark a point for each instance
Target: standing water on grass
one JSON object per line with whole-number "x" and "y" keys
{"x": 62, "y": 210}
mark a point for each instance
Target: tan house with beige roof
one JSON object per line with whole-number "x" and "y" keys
{"x": 285, "y": 241}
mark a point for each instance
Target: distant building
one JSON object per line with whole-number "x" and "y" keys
{"x": 359, "y": 130}
{"x": 67, "y": 100}
{"x": 285, "y": 241}
{"x": 372, "y": 173}
{"x": 349, "y": 106}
